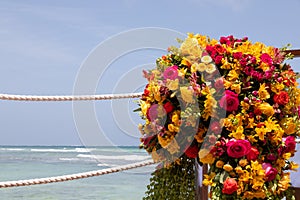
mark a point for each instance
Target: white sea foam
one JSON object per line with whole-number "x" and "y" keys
{"x": 123, "y": 157}
{"x": 106, "y": 165}
{"x": 69, "y": 159}
{"x": 12, "y": 149}
{"x": 64, "y": 150}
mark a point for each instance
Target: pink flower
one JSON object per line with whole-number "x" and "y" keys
{"x": 229, "y": 101}
{"x": 155, "y": 111}
{"x": 266, "y": 58}
{"x": 289, "y": 144}
{"x": 219, "y": 84}
{"x": 238, "y": 148}
{"x": 215, "y": 127}
{"x": 270, "y": 172}
{"x": 171, "y": 72}
{"x": 253, "y": 154}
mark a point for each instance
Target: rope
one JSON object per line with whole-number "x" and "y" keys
{"x": 68, "y": 98}
{"x": 63, "y": 178}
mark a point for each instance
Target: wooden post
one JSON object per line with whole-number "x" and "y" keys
{"x": 295, "y": 52}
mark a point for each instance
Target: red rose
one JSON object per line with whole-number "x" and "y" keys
{"x": 238, "y": 148}
{"x": 220, "y": 49}
{"x": 253, "y": 154}
{"x": 168, "y": 107}
{"x": 289, "y": 144}
{"x": 281, "y": 98}
{"x": 192, "y": 151}
{"x": 229, "y": 186}
{"x": 229, "y": 101}
{"x": 270, "y": 172}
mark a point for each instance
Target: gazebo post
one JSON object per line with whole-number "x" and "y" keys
{"x": 201, "y": 190}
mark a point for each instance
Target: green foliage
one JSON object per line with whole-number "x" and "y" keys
{"x": 177, "y": 182}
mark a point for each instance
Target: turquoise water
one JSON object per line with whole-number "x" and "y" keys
{"x": 19, "y": 163}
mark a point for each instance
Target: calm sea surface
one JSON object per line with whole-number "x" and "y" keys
{"x": 26, "y": 162}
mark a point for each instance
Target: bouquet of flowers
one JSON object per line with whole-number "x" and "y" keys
{"x": 232, "y": 104}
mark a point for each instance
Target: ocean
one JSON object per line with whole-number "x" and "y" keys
{"x": 27, "y": 162}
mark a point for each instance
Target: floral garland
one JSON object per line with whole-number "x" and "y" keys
{"x": 231, "y": 104}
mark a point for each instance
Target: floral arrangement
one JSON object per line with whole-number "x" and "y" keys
{"x": 232, "y": 104}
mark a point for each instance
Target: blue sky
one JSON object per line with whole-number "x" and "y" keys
{"x": 44, "y": 43}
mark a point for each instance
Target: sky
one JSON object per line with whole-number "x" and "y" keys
{"x": 45, "y": 45}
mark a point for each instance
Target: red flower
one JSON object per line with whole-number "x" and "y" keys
{"x": 289, "y": 144}
{"x": 168, "y": 107}
{"x": 253, "y": 154}
{"x": 281, "y": 98}
{"x": 229, "y": 186}
{"x": 270, "y": 172}
{"x": 192, "y": 151}
{"x": 238, "y": 148}
{"x": 266, "y": 58}
{"x": 229, "y": 101}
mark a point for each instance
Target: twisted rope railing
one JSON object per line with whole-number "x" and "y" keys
{"x": 69, "y": 98}
{"x": 71, "y": 177}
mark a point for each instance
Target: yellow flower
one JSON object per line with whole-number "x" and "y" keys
{"x": 239, "y": 170}
{"x": 264, "y": 66}
{"x": 219, "y": 164}
{"x": 227, "y": 167}
{"x": 233, "y": 75}
{"x": 144, "y": 107}
{"x": 266, "y": 109}
{"x": 172, "y": 84}
{"x": 185, "y": 62}
{"x": 294, "y": 166}
{"x": 261, "y": 132}
{"x": 287, "y": 156}
{"x": 175, "y": 118}
{"x": 206, "y": 157}
{"x": 243, "y": 162}
{"x": 208, "y": 179}
{"x": 276, "y": 87}
{"x": 263, "y": 93}
{"x": 284, "y": 183}
{"x": 238, "y": 134}
{"x": 173, "y": 128}
{"x": 187, "y": 95}
{"x": 236, "y": 87}
{"x": 251, "y": 123}
{"x": 288, "y": 125}
{"x": 226, "y": 64}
